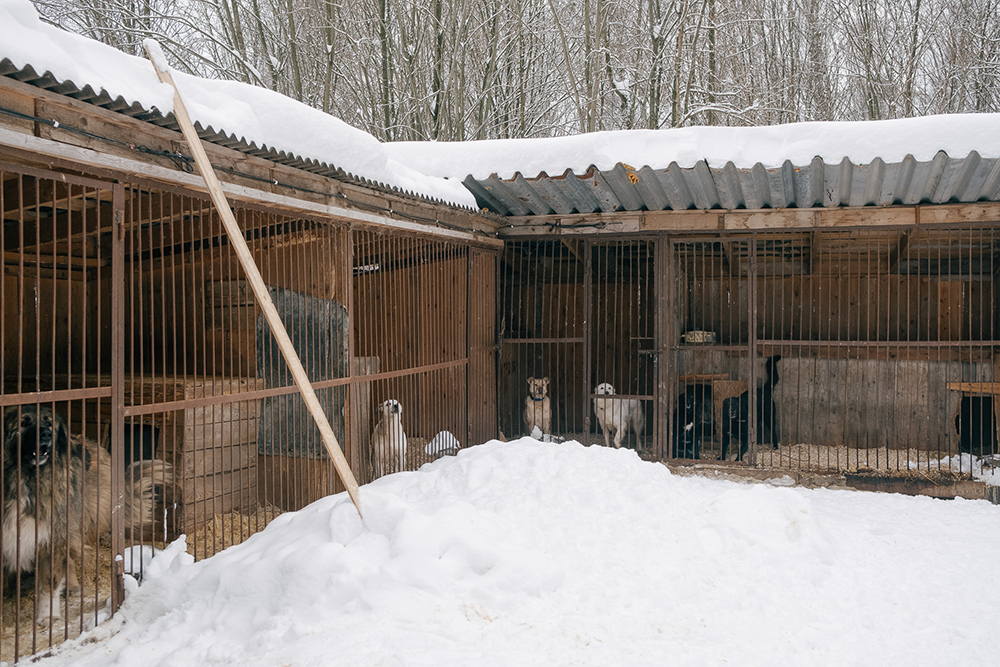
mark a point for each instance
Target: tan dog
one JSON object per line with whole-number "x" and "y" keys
{"x": 60, "y": 486}
{"x": 618, "y": 415}
{"x": 537, "y": 406}
{"x": 389, "y": 440}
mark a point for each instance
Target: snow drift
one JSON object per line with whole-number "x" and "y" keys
{"x": 534, "y": 553}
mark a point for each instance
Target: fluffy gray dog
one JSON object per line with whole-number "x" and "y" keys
{"x": 57, "y": 499}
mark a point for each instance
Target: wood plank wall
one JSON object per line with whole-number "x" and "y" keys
{"x": 413, "y": 315}
{"x": 884, "y": 308}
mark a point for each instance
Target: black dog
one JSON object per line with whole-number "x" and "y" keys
{"x": 736, "y": 410}
{"x": 692, "y": 422}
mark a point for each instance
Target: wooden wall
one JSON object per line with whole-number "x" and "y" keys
{"x": 414, "y": 315}
{"x": 45, "y": 315}
{"x": 879, "y": 308}
{"x": 621, "y": 327}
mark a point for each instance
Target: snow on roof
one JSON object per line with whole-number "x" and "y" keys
{"x": 254, "y": 114}
{"x": 437, "y": 169}
{"x": 860, "y": 142}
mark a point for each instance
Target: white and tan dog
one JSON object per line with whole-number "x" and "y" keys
{"x": 389, "y": 440}
{"x": 537, "y": 406}
{"x": 618, "y": 415}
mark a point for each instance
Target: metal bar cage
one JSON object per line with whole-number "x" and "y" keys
{"x": 137, "y": 365}
{"x": 577, "y": 341}
{"x": 862, "y": 350}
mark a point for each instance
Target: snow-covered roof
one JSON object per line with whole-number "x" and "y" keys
{"x": 266, "y": 122}
{"x": 934, "y": 159}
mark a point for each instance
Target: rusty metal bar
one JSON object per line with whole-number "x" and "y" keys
{"x": 118, "y": 386}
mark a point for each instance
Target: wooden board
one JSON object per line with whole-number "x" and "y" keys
{"x": 220, "y": 425}
{"x": 218, "y": 460}
{"x": 292, "y": 483}
{"x": 976, "y": 387}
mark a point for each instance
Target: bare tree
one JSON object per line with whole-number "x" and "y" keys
{"x": 458, "y": 69}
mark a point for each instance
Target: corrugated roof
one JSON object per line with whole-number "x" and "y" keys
{"x": 941, "y": 180}
{"x": 47, "y": 81}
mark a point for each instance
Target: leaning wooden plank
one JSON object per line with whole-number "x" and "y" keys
{"x": 260, "y": 290}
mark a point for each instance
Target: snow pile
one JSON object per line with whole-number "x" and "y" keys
{"x": 255, "y": 114}
{"x": 771, "y": 146}
{"x": 529, "y": 553}
{"x": 443, "y": 444}
{"x": 986, "y": 469}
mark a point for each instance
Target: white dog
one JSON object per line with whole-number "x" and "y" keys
{"x": 618, "y": 415}
{"x": 389, "y": 440}
{"x": 537, "y": 406}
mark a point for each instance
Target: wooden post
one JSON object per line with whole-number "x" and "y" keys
{"x": 260, "y": 290}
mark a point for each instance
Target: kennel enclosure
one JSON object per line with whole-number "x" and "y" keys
{"x": 126, "y": 312}
{"x": 872, "y": 287}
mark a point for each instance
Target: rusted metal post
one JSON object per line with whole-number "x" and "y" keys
{"x": 752, "y": 299}
{"x": 662, "y": 368}
{"x": 117, "y": 392}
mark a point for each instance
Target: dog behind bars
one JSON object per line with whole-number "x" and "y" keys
{"x": 58, "y": 486}
{"x": 618, "y": 415}
{"x": 389, "y": 440}
{"x": 538, "y": 406}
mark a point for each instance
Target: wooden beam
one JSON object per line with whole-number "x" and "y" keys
{"x": 975, "y": 387}
{"x": 752, "y": 220}
{"x": 573, "y": 247}
{"x": 682, "y": 220}
{"x": 31, "y": 259}
{"x": 569, "y": 225}
{"x": 901, "y": 245}
{"x": 960, "y": 213}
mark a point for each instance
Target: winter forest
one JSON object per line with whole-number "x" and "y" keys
{"x": 456, "y": 70}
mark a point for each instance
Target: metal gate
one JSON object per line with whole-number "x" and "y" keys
{"x": 578, "y": 342}
{"x": 62, "y": 305}
{"x": 862, "y": 350}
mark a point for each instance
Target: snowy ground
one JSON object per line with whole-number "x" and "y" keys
{"x": 529, "y": 553}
